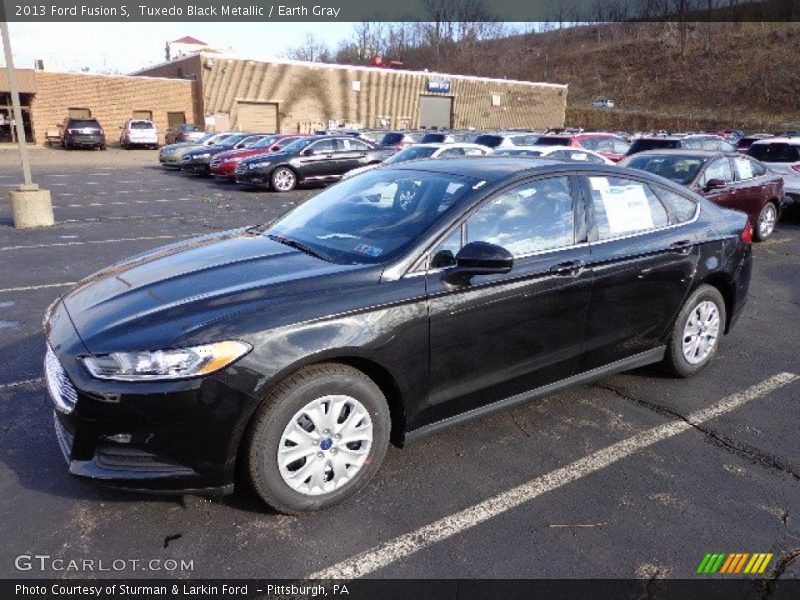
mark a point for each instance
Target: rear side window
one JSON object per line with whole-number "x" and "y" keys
{"x": 758, "y": 169}
{"x": 651, "y": 144}
{"x": 775, "y": 152}
{"x": 493, "y": 141}
{"x": 744, "y": 168}
{"x": 625, "y": 207}
{"x": 559, "y": 140}
{"x": 718, "y": 169}
{"x": 679, "y": 208}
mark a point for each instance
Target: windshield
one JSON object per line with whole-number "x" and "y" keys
{"x": 410, "y": 153}
{"x": 775, "y": 152}
{"x": 297, "y": 145}
{"x": 214, "y": 138}
{"x": 493, "y": 141}
{"x": 392, "y": 138}
{"x": 232, "y": 140}
{"x": 652, "y": 144}
{"x": 517, "y": 152}
{"x": 265, "y": 142}
{"x": 553, "y": 140}
{"x": 84, "y": 123}
{"x": 375, "y": 216}
{"x": 680, "y": 169}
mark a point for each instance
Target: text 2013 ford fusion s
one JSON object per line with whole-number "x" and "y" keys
{"x": 395, "y": 304}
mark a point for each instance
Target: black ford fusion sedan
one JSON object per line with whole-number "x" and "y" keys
{"x": 392, "y": 305}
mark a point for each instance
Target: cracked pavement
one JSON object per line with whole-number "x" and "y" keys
{"x": 731, "y": 484}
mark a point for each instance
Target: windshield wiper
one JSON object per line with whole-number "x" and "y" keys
{"x": 301, "y": 246}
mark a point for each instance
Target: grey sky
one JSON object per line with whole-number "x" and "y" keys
{"x": 126, "y": 47}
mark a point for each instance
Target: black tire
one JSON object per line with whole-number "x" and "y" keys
{"x": 283, "y": 179}
{"x": 276, "y": 412}
{"x": 675, "y": 362}
{"x": 759, "y": 232}
{"x": 102, "y": 147}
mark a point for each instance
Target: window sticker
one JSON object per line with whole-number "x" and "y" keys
{"x": 598, "y": 183}
{"x": 627, "y": 209}
{"x": 368, "y": 250}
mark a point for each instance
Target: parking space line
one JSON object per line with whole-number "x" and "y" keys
{"x": 438, "y": 531}
{"x": 37, "y": 287}
{"x": 13, "y": 384}
{"x": 153, "y": 237}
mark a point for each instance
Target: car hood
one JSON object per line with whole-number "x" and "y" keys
{"x": 167, "y": 296}
{"x": 242, "y": 153}
{"x": 279, "y": 155}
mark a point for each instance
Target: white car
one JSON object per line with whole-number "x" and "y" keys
{"x": 416, "y": 151}
{"x": 139, "y": 132}
{"x": 557, "y": 152}
{"x": 603, "y": 103}
{"x": 781, "y": 155}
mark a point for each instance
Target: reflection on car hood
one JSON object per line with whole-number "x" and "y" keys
{"x": 166, "y": 294}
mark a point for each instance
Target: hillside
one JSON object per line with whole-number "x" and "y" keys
{"x": 729, "y": 74}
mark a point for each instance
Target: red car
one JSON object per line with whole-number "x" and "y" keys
{"x": 223, "y": 165}
{"x": 726, "y": 178}
{"x": 609, "y": 145}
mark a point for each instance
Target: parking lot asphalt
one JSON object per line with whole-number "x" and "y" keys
{"x": 631, "y": 476}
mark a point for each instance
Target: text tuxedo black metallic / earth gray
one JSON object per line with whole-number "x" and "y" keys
{"x": 392, "y": 305}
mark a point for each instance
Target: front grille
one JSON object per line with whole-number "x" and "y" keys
{"x": 64, "y": 437}
{"x": 216, "y": 162}
{"x": 64, "y": 395}
{"x": 241, "y": 168}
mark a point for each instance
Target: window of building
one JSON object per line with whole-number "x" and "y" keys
{"x": 79, "y": 113}
{"x": 146, "y": 115}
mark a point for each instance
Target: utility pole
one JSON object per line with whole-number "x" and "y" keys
{"x": 30, "y": 206}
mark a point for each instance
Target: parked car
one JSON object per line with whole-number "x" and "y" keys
{"x": 295, "y": 351}
{"x": 223, "y": 165}
{"x": 418, "y": 151}
{"x": 781, "y": 155}
{"x": 187, "y": 132}
{"x": 198, "y": 161}
{"x": 603, "y": 103}
{"x": 437, "y": 137}
{"x": 556, "y": 152}
{"x": 728, "y": 179}
{"x": 139, "y": 132}
{"x": 397, "y": 140}
{"x": 745, "y": 142}
{"x": 612, "y": 146}
{"x": 82, "y": 133}
{"x": 506, "y": 139}
{"x": 170, "y": 156}
{"x": 683, "y": 142}
{"x": 316, "y": 159}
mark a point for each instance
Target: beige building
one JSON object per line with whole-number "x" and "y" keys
{"x": 292, "y": 96}
{"x": 223, "y": 92}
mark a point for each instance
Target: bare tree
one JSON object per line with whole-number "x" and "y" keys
{"x": 311, "y": 49}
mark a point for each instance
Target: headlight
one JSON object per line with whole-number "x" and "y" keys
{"x": 165, "y": 364}
{"x": 260, "y": 165}
{"x": 202, "y": 156}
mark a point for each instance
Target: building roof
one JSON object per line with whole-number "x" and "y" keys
{"x": 319, "y": 65}
{"x": 187, "y": 39}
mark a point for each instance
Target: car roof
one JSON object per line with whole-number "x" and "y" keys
{"x": 778, "y": 140}
{"x": 497, "y": 167}
{"x": 687, "y": 153}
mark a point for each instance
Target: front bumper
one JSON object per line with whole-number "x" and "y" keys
{"x": 194, "y": 166}
{"x": 171, "y": 436}
{"x": 252, "y": 177}
{"x": 225, "y": 170}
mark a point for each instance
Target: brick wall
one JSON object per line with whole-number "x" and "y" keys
{"x": 111, "y": 99}
{"x": 309, "y": 95}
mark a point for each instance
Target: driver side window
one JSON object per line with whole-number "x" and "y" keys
{"x": 534, "y": 217}
{"x": 718, "y": 169}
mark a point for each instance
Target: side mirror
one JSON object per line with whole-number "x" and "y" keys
{"x": 275, "y": 148}
{"x": 479, "y": 258}
{"x": 714, "y": 184}
{"x": 308, "y": 152}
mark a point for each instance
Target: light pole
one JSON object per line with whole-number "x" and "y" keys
{"x": 30, "y": 205}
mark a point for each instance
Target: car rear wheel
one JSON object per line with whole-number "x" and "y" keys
{"x": 767, "y": 219}
{"x": 697, "y": 332}
{"x": 283, "y": 179}
{"x": 317, "y": 439}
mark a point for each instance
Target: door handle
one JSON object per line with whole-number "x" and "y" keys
{"x": 570, "y": 268}
{"x": 683, "y": 246}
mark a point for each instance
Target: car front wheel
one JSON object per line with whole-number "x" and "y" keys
{"x": 317, "y": 439}
{"x": 697, "y": 332}
{"x": 283, "y": 179}
{"x": 767, "y": 219}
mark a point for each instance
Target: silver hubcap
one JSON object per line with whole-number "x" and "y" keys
{"x": 283, "y": 180}
{"x": 324, "y": 445}
{"x": 766, "y": 224}
{"x": 701, "y": 332}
